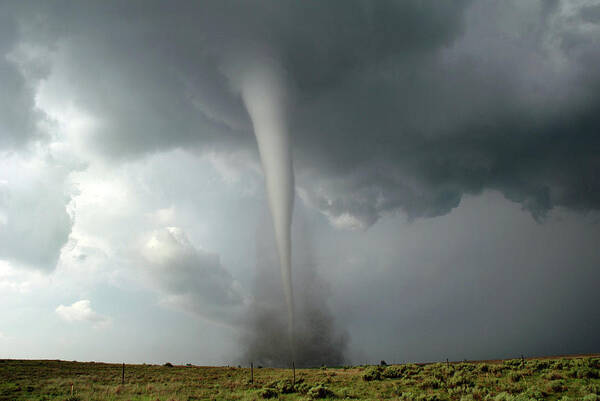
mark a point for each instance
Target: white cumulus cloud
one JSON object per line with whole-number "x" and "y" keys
{"x": 189, "y": 277}
{"x": 81, "y": 311}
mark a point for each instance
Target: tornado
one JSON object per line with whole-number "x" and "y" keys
{"x": 264, "y": 95}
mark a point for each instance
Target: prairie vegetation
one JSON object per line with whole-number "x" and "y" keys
{"x": 575, "y": 378}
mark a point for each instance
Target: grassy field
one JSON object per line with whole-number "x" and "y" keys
{"x": 572, "y": 378}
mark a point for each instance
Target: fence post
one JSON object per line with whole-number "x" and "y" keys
{"x": 447, "y": 363}
{"x": 123, "y": 374}
{"x": 251, "y": 372}
{"x": 294, "y": 373}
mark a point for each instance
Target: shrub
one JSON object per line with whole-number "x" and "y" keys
{"x": 510, "y": 387}
{"x": 553, "y": 375}
{"x": 479, "y": 392}
{"x": 392, "y": 372}
{"x": 534, "y": 393}
{"x": 504, "y": 397}
{"x": 285, "y": 387}
{"x": 408, "y": 382}
{"x": 320, "y": 391}
{"x": 514, "y": 377}
{"x": 483, "y": 368}
{"x": 512, "y": 362}
{"x": 557, "y": 386}
{"x": 541, "y": 365}
{"x": 419, "y": 397}
{"x": 592, "y": 388}
{"x": 411, "y": 367}
{"x": 347, "y": 393}
{"x": 371, "y": 374}
{"x": 408, "y": 396}
{"x": 268, "y": 392}
{"x": 562, "y": 363}
{"x": 497, "y": 369}
{"x": 302, "y": 388}
{"x": 168, "y": 365}
{"x": 586, "y": 373}
{"x": 460, "y": 380}
{"x": 431, "y": 383}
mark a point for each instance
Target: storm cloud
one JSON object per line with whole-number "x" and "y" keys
{"x": 121, "y": 123}
{"x": 398, "y": 106}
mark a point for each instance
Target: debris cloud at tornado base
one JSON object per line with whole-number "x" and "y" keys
{"x": 318, "y": 339}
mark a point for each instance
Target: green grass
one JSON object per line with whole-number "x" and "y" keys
{"x": 511, "y": 380}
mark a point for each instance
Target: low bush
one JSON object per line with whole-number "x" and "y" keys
{"x": 512, "y": 362}
{"x": 504, "y": 397}
{"x": 483, "y": 368}
{"x": 285, "y": 387}
{"x": 540, "y": 365}
{"x": 302, "y": 388}
{"x": 409, "y": 396}
{"x": 514, "y": 376}
{"x": 320, "y": 391}
{"x": 431, "y": 383}
{"x": 553, "y": 375}
{"x": 268, "y": 392}
{"x": 592, "y": 388}
{"x": 347, "y": 393}
{"x": 372, "y": 373}
{"x": 586, "y": 373}
{"x": 562, "y": 363}
{"x": 392, "y": 372}
{"x": 556, "y": 386}
{"x": 460, "y": 380}
{"x": 534, "y": 393}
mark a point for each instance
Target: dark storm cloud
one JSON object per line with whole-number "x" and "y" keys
{"x": 34, "y": 222}
{"x": 483, "y": 282}
{"x": 591, "y": 13}
{"x": 17, "y": 106}
{"x": 397, "y": 106}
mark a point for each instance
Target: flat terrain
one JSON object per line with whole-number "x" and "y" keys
{"x": 565, "y": 378}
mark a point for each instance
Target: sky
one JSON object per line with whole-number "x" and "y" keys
{"x": 446, "y": 168}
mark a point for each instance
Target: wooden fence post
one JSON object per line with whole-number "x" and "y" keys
{"x": 251, "y": 372}
{"x": 294, "y": 373}
{"x": 123, "y": 374}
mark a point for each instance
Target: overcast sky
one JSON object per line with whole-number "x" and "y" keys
{"x": 447, "y": 171}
